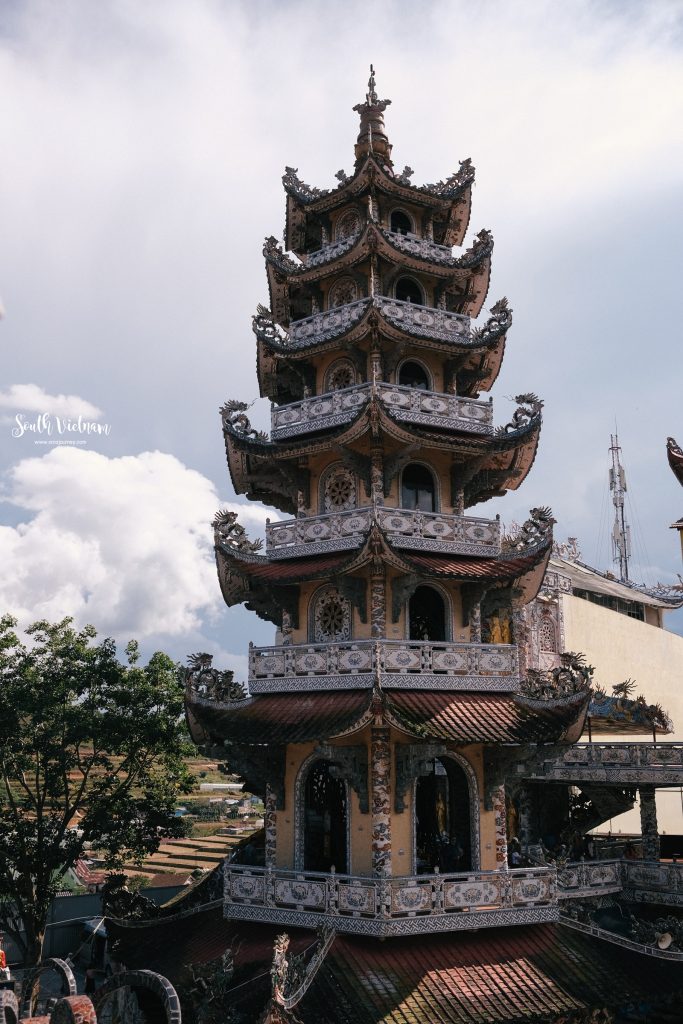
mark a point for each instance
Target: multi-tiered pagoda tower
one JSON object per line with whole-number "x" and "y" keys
{"x": 374, "y": 726}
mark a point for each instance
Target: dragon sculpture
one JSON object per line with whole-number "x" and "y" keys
{"x": 529, "y": 407}
{"x": 202, "y": 680}
{"x": 535, "y": 531}
{"x": 572, "y": 676}
{"x": 235, "y": 419}
{"x": 232, "y": 533}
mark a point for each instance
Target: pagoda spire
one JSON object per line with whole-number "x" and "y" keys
{"x": 372, "y": 137}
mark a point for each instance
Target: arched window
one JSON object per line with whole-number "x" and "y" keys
{"x": 341, "y": 374}
{"x": 347, "y": 225}
{"x": 408, "y": 290}
{"x": 414, "y": 375}
{"x": 325, "y": 820}
{"x": 331, "y": 619}
{"x": 342, "y": 293}
{"x": 337, "y": 489}
{"x": 401, "y": 222}
{"x": 443, "y": 819}
{"x": 427, "y": 615}
{"x": 418, "y": 490}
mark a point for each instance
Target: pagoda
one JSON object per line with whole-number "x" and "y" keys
{"x": 377, "y": 727}
{"x": 414, "y": 730}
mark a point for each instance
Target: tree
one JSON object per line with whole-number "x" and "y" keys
{"x": 91, "y": 752}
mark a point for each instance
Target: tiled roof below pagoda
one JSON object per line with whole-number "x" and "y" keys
{"x": 481, "y": 717}
{"x": 458, "y": 717}
{"x": 284, "y": 718}
{"x": 501, "y": 976}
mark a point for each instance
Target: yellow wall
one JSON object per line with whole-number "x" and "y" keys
{"x": 622, "y": 648}
{"x": 361, "y": 824}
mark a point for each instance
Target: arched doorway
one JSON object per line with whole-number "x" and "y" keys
{"x": 443, "y": 824}
{"x": 414, "y": 375}
{"x": 418, "y": 490}
{"x": 427, "y": 615}
{"x": 325, "y": 820}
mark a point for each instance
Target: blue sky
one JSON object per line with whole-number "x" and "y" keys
{"x": 142, "y": 152}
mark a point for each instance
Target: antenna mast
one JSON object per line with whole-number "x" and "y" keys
{"x": 621, "y": 532}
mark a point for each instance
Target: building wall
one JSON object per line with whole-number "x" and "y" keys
{"x": 620, "y": 648}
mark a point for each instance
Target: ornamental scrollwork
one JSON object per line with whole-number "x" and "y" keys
{"x": 529, "y": 408}
{"x": 119, "y": 902}
{"x": 231, "y": 533}
{"x": 203, "y": 680}
{"x": 274, "y": 254}
{"x": 457, "y": 182}
{"x": 233, "y": 414}
{"x": 663, "y": 932}
{"x": 481, "y": 248}
{"x": 496, "y": 326}
{"x": 306, "y": 193}
{"x": 536, "y": 531}
{"x": 572, "y": 676}
{"x": 406, "y": 174}
{"x": 350, "y": 764}
{"x": 291, "y": 976}
{"x": 265, "y": 328}
{"x": 570, "y": 550}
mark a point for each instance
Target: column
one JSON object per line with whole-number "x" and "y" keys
{"x": 381, "y": 802}
{"x": 648, "y": 822}
{"x": 500, "y": 812}
{"x": 475, "y": 621}
{"x": 270, "y": 826}
{"x": 378, "y": 606}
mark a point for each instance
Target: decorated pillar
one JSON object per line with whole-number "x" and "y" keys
{"x": 270, "y": 826}
{"x": 475, "y": 622}
{"x": 378, "y": 605}
{"x": 648, "y": 822}
{"x": 381, "y": 803}
{"x": 500, "y": 813}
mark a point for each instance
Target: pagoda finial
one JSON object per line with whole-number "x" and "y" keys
{"x": 372, "y": 137}
{"x": 371, "y": 95}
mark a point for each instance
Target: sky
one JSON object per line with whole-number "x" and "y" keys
{"x": 142, "y": 150}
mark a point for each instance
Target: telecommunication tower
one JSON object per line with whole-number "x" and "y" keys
{"x": 621, "y": 532}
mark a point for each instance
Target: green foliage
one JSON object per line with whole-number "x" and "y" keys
{"x": 90, "y": 752}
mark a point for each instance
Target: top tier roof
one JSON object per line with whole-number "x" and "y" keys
{"x": 449, "y": 200}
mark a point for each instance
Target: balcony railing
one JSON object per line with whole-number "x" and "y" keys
{"x": 580, "y": 879}
{"x": 408, "y": 664}
{"x": 652, "y": 882}
{"x": 411, "y": 405}
{"x": 619, "y": 763}
{"x": 404, "y": 528}
{"x": 403, "y": 905}
{"x": 425, "y": 321}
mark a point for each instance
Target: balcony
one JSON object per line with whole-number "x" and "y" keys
{"x": 403, "y": 664}
{"x": 405, "y": 905}
{"x": 410, "y": 405}
{"x": 423, "y": 321}
{"x": 403, "y": 528}
{"x": 583, "y": 879}
{"x": 622, "y": 764}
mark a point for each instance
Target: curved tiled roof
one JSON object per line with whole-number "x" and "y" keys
{"x": 481, "y": 717}
{"x": 284, "y": 717}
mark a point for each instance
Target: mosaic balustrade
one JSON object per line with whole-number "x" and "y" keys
{"x": 409, "y": 664}
{"x": 621, "y": 763}
{"x": 424, "y": 321}
{"x": 404, "y": 528}
{"x": 392, "y": 906}
{"x": 589, "y": 878}
{"x": 410, "y": 405}
{"x": 652, "y": 882}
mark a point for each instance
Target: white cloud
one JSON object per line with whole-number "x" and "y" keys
{"x": 32, "y": 398}
{"x": 124, "y": 543}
